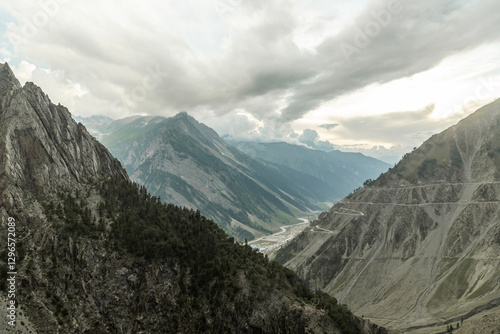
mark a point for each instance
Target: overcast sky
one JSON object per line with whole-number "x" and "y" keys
{"x": 372, "y": 76}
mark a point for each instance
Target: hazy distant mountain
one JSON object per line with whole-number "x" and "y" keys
{"x": 341, "y": 171}
{"x": 421, "y": 244}
{"x": 95, "y": 124}
{"x": 186, "y": 163}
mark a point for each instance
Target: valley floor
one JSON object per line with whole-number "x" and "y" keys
{"x": 270, "y": 243}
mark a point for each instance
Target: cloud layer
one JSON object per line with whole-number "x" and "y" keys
{"x": 277, "y": 61}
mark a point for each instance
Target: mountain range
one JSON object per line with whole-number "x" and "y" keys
{"x": 96, "y": 253}
{"x": 414, "y": 250}
{"x": 186, "y": 163}
{"x": 341, "y": 171}
{"x": 420, "y": 245}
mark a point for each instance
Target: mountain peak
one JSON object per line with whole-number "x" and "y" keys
{"x": 192, "y": 127}
{"x": 465, "y": 152}
{"x": 6, "y": 75}
{"x": 8, "y": 83}
{"x": 44, "y": 148}
{"x": 182, "y": 114}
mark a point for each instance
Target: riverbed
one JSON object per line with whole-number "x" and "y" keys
{"x": 274, "y": 241}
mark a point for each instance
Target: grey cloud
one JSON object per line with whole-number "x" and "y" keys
{"x": 329, "y": 126}
{"x": 311, "y": 139}
{"x": 414, "y": 41}
{"x": 308, "y": 135}
{"x": 261, "y": 68}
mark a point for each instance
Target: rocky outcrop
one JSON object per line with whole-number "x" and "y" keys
{"x": 421, "y": 244}
{"x": 43, "y": 149}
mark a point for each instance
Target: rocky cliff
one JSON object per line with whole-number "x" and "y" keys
{"x": 421, "y": 244}
{"x": 42, "y": 149}
{"x": 97, "y": 254}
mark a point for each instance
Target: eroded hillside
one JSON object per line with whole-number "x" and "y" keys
{"x": 421, "y": 244}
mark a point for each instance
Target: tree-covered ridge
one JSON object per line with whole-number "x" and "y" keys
{"x": 148, "y": 228}
{"x": 213, "y": 270}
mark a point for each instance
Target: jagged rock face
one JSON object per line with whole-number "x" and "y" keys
{"x": 421, "y": 244}
{"x": 43, "y": 148}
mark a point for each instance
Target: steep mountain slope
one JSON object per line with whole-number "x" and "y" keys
{"x": 97, "y": 254}
{"x": 188, "y": 164}
{"x": 421, "y": 244}
{"x": 341, "y": 171}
